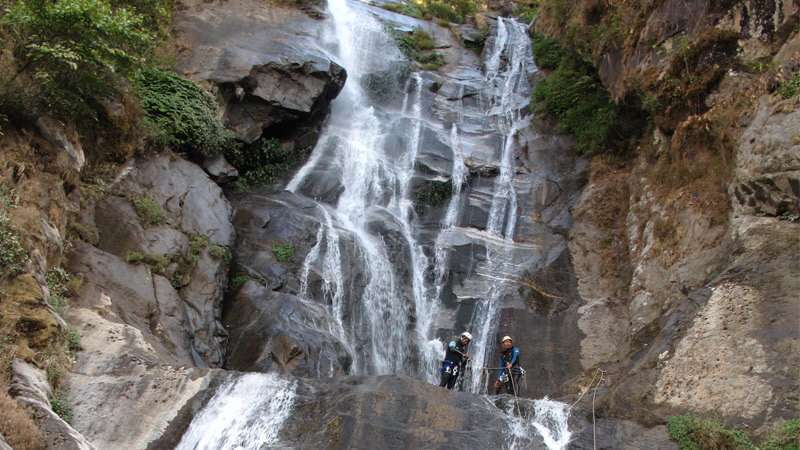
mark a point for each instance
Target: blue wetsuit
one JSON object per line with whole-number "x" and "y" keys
{"x": 510, "y": 356}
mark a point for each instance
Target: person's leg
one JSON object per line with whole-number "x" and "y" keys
{"x": 452, "y": 382}
{"x": 444, "y": 378}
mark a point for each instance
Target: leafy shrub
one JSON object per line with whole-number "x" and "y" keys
{"x": 148, "y": 210}
{"x": 526, "y": 10}
{"x": 577, "y": 101}
{"x": 220, "y": 252}
{"x": 263, "y": 162}
{"x": 183, "y": 115}
{"x": 60, "y": 406}
{"x": 790, "y": 87}
{"x": 547, "y": 52}
{"x": 692, "y": 433}
{"x": 58, "y": 281}
{"x": 13, "y": 255}
{"x": 74, "y": 50}
{"x": 418, "y": 46}
{"x": 157, "y": 263}
{"x": 73, "y": 340}
{"x": 449, "y": 10}
{"x": 283, "y": 251}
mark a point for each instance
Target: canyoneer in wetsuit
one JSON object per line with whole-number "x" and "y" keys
{"x": 455, "y": 358}
{"x": 509, "y": 371}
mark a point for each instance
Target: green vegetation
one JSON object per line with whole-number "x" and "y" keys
{"x": 239, "y": 281}
{"x": 785, "y": 437}
{"x": 148, "y": 210}
{"x": 791, "y": 87}
{"x": 70, "y": 53}
{"x": 220, "y": 252}
{"x": 418, "y": 46}
{"x": 263, "y": 162}
{"x": 525, "y": 10}
{"x": 58, "y": 281}
{"x": 182, "y": 114}
{"x": 547, "y": 52}
{"x": 157, "y": 263}
{"x": 573, "y": 95}
{"x": 283, "y": 251}
{"x": 13, "y": 255}
{"x": 433, "y": 193}
{"x": 60, "y": 406}
{"x": 73, "y": 340}
{"x": 449, "y": 10}
{"x": 693, "y": 433}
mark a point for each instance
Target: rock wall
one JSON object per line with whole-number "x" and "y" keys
{"x": 683, "y": 253}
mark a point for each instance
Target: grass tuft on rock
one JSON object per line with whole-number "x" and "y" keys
{"x": 791, "y": 87}
{"x": 148, "y": 210}
{"x": 418, "y": 46}
{"x": 693, "y": 433}
{"x": 283, "y": 251}
{"x": 264, "y": 162}
{"x": 61, "y": 406}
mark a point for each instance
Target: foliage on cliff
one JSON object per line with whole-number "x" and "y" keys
{"x": 576, "y": 99}
{"x": 70, "y": 54}
{"x": 182, "y": 114}
{"x": 457, "y": 11}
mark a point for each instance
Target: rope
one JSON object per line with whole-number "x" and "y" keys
{"x": 594, "y": 427}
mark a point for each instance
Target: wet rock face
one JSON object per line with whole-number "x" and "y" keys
{"x": 272, "y": 331}
{"x": 393, "y": 412}
{"x": 268, "y": 66}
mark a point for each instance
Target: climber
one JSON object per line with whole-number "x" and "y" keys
{"x": 455, "y": 359}
{"x": 509, "y": 371}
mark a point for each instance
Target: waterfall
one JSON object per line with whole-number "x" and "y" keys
{"x": 544, "y": 418}
{"x": 246, "y": 412}
{"x": 385, "y": 311}
{"x": 511, "y": 97}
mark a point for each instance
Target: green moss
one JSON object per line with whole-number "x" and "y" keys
{"x": 148, "y": 210}
{"x": 432, "y": 193}
{"x": 525, "y": 10}
{"x": 791, "y": 87}
{"x": 283, "y": 251}
{"x": 693, "y": 433}
{"x": 182, "y": 114}
{"x": 239, "y": 281}
{"x": 13, "y": 256}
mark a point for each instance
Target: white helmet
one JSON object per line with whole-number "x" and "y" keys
{"x": 466, "y": 335}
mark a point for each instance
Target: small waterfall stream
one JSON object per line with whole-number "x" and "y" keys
{"x": 387, "y": 321}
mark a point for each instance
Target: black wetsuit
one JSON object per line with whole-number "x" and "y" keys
{"x": 453, "y": 364}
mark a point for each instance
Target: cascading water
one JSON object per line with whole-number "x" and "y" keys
{"x": 386, "y": 319}
{"x": 246, "y": 412}
{"x": 510, "y": 81}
